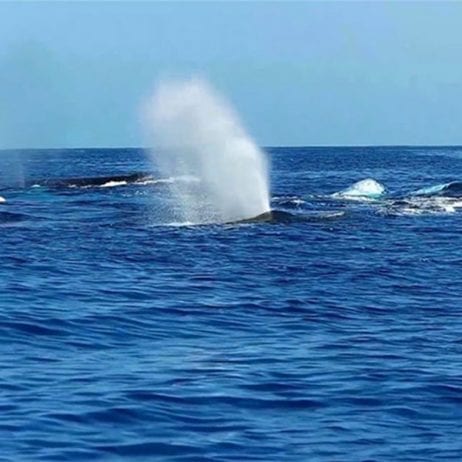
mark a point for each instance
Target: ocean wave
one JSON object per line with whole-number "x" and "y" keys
{"x": 288, "y": 201}
{"x": 424, "y": 206}
{"x": 9, "y": 218}
{"x": 452, "y": 189}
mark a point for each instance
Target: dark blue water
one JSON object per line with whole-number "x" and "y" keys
{"x": 333, "y": 337}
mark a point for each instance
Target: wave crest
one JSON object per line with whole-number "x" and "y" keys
{"x": 452, "y": 189}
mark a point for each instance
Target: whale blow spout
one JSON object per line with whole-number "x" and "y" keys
{"x": 197, "y": 134}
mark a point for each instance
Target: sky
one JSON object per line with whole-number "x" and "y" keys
{"x": 301, "y": 73}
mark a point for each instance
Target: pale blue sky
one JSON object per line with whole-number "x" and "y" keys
{"x": 312, "y": 73}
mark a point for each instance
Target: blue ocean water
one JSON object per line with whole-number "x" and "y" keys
{"x": 333, "y": 336}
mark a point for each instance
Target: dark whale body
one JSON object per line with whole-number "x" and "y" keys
{"x": 94, "y": 181}
{"x": 283, "y": 217}
{"x": 273, "y": 216}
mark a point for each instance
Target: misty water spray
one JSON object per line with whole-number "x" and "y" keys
{"x": 199, "y": 140}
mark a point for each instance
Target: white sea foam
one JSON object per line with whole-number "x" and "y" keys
{"x": 368, "y": 189}
{"x": 197, "y": 134}
{"x": 425, "y": 206}
{"x": 2, "y": 199}
{"x": 112, "y": 184}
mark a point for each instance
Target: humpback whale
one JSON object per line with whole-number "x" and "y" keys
{"x": 273, "y": 216}
{"x": 280, "y": 216}
{"x": 94, "y": 181}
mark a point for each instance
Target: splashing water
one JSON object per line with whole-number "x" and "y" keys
{"x": 197, "y": 134}
{"x": 364, "y": 189}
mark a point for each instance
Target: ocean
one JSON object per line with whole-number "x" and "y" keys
{"x": 331, "y": 332}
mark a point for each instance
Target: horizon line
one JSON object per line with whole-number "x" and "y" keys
{"x": 313, "y": 146}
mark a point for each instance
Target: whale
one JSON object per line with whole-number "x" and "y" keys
{"x": 282, "y": 217}
{"x": 85, "y": 182}
{"x": 272, "y": 216}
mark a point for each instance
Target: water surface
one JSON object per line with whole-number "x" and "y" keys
{"x": 127, "y": 337}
